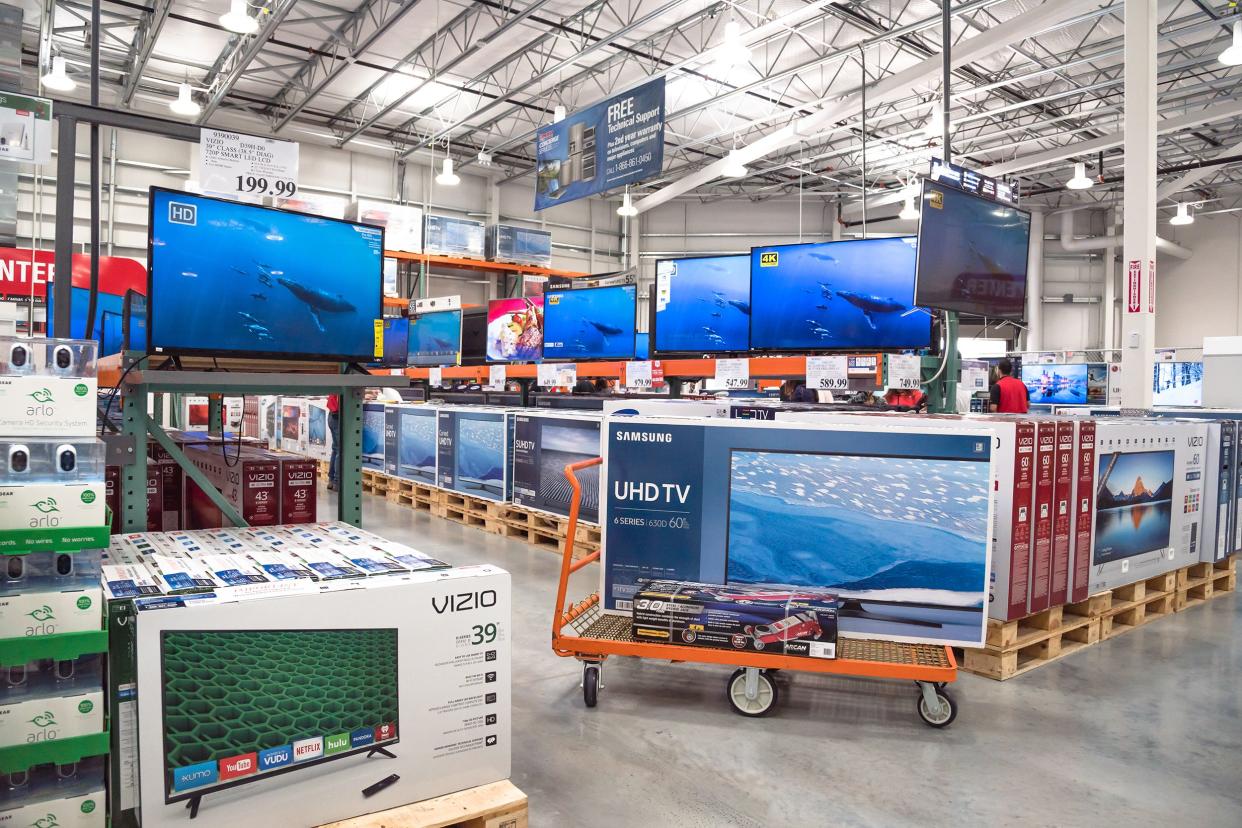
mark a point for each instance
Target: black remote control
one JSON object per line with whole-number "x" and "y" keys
{"x": 380, "y": 785}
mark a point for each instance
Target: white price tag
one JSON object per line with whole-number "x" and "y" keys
{"x": 247, "y": 165}
{"x": 496, "y": 378}
{"x": 974, "y": 375}
{"x": 827, "y": 373}
{"x": 904, "y": 371}
{"x": 638, "y": 375}
{"x": 553, "y": 375}
{"x": 435, "y": 376}
{"x": 733, "y": 374}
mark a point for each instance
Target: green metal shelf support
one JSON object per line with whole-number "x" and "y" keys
{"x": 140, "y": 427}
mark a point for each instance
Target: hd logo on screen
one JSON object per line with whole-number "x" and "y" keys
{"x": 182, "y": 213}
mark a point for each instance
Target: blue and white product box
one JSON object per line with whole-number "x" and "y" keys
{"x": 644, "y": 407}
{"x": 47, "y": 387}
{"x": 130, "y": 580}
{"x": 373, "y": 420}
{"x": 48, "y": 593}
{"x": 1150, "y": 477}
{"x": 893, "y": 518}
{"x": 1233, "y": 541}
{"x": 775, "y": 620}
{"x": 543, "y": 445}
{"x": 392, "y": 429}
{"x": 51, "y": 699}
{"x": 448, "y": 236}
{"x": 474, "y": 451}
{"x": 416, "y": 443}
{"x": 55, "y": 796}
{"x": 519, "y": 245}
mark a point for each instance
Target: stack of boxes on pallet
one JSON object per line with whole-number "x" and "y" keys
{"x": 52, "y": 523}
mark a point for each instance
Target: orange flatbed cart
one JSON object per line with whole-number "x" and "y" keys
{"x": 584, "y": 632}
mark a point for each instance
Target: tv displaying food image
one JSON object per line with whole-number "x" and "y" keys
{"x": 1056, "y": 384}
{"x": 515, "y": 329}
{"x": 1134, "y": 504}
{"x": 899, "y": 538}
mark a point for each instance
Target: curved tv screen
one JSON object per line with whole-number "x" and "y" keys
{"x": 972, "y": 253}
{"x": 836, "y": 295}
{"x": 702, "y": 305}
{"x": 589, "y": 323}
{"x": 231, "y": 278}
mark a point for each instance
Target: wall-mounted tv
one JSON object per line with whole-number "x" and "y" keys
{"x": 1056, "y": 384}
{"x": 589, "y": 323}
{"x": 324, "y": 695}
{"x": 1134, "y": 504}
{"x": 972, "y": 253}
{"x": 1177, "y": 383}
{"x": 515, "y": 329}
{"x": 435, "y": 338}
{"x": 231, "y": 278}
{"x": 835, "y": 295}
{"x": 396, "y": 342}
{"x": 702, "y": 305}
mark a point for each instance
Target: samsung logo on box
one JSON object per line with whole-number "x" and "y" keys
{"x": 644, "y": 436}
{"x": 179, "y": 213}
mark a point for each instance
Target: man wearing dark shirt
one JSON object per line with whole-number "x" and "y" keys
{"x": 1009, "y": 395}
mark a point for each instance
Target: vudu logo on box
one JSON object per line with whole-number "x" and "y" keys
{"x": 182, "y": 213}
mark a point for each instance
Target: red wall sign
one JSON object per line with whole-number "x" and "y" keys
{"x": 24, "y": 272}
{"x": 1151, "y": 285}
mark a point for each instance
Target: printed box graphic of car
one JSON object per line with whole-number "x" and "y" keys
{"x": 797, "y": 626}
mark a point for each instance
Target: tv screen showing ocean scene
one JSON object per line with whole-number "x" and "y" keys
{"x": 589, "y": 323}
{"x": 702, "y": 305}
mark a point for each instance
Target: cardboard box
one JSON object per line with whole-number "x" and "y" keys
{"x": 543, "y": 445}
{"x": 51, "y": 506}
{"x": 402, "y": 223}
{"x": 796, "y": 622}
{"x": 53, "y": 392}
{"x": 248, "y": 480}
{"x": 52, "y": 796}
{"x": 47, "y": 706}
{"x": 416, "y": 443}
{"x": 1041, "y": 543}
{"x": 1084, "y": 502}
{"x": 474, "y": 452}
{"x": 373, "y": 439}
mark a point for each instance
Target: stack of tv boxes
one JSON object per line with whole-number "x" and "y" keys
{"x": 51, "y": 505}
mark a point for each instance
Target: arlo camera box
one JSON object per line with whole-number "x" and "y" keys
{"x": 47, "y": 387}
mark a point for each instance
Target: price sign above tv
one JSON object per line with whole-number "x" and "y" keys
{"x": 971, "y": 181}
{"x": 235, "y": 164}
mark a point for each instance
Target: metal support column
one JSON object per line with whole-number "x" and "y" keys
{"x": 349, "y": 461}
{"x": 62, "y": 284}
{"x": 1138, "y": 323}
{"x": 133, "y": 504}
{"x": 215, "y": 414}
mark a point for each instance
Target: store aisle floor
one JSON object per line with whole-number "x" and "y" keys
{"x": 1102, "y": 737}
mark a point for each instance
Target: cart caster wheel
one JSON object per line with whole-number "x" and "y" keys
{"x": 943, "y": 714}
{"x": 590, "y": 685}
{"x": 766, "y": 694}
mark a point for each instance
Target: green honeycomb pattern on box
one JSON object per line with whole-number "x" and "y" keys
{"x": 229, "y": 693}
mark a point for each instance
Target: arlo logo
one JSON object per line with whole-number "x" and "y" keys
{"x": 49, "y": 821}
{"x": 47, "y": 506}
{"x": 44, "y": 719}
{"x": 43, "y": 613}
{"x": 463, "y": 601}
{"x": 644, "y": 437}
{"x": 179, "y": 213}
{"x": 43, "y": 395}
{"x": 45, "y": 402}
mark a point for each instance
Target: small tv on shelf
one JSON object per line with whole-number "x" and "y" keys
{"x": 396, "y": 342}
{"x": 134, "y": 321}
{"x": 111, "y": 333}
{"x": 702, "y": 305}
{"x": 589, "y": 323}
{"x": 435, "y": 338}
{"x": 304, "y": 698}
{"x": 971, "y": 254}
{"x": 515, "y": 329}
{"x": 226, "y": 278}
{"x": 1177, "y": 384}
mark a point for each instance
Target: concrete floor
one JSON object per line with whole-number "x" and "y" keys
{"x": 1143, "y": 730}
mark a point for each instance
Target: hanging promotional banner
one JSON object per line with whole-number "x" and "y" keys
{"x": 25, "y": 128}
{"x": 231, "y": 163}
{"x": 617, "y": 141}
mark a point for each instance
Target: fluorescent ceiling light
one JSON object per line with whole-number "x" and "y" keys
{"x": 1080, "y": 181}
{"x": 185, "y": 104}
{"x": 908, "y": 212}
{"x": 56, "y": 79}
{"x": 627, "y": 208}
{"x": 237, "y": 19}
{"x": 1233, "y": 55}
{"x": 734, "y": 168}
{"x": 1183, "y": 215}
{"x": 447, "y": 177}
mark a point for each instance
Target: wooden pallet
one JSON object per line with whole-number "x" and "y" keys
{"x": 1201, "y": 582}
{"x": 412, "y": 493}
{"x": 497, "y": 805}
{"x": 374, "y": 482}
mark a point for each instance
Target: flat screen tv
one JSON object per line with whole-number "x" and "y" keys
{"x": 1056, "y": 384}
{"x": 474, "y": 336}
{"x": 702, "y": 305}
{"x": 111, "y": 333}
{"x": 435, "y": 338}
{"x": 396, "y": 342}
{"x": 835, "y": 295}
{"x": 237, "y": 279}
{"x": 303, "y": 698}
{"x": 290, "y": 421}
{"x": 1134, "y": 504}
{"x": 515, "y": 329}
{"x": 1177, "y": 383}
{"x": 589, "y": 323}
{"x": 972, "y": 253}
{"x": 642, "y": 346}
{"x": 134, "y": 321}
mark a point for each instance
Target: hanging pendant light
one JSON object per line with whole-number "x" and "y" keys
{"x": 237, "y": 18}
{"x": 447, "y": 177}
{"x": 627, "y": 208}
{"x": 1183, "y": 215}
{"x": 1232, "y": 56}
{"x": 1080, "y": 181}
{"x": 57, "y": 80}
{"x": 185, "y": 103}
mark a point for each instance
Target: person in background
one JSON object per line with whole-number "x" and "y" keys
{"x": 912, "y": 399}
{"x": 584, "y": 386}
{"x": 602, "y": 387}
{"x": 1009, "y": 395}
{"x": 334, "y": 428}
{"x": 802, "y": 394}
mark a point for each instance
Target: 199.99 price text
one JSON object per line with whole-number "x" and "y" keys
{"x": 262, "y": 186}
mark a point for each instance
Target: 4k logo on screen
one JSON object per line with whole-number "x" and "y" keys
{"x": 769, "y": 259}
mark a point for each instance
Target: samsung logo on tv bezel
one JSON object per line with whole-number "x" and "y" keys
{"x": 644, "y": 436}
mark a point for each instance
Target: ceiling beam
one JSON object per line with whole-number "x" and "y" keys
{"x": 238, "y": 54}
{"x": 145, "y": 35}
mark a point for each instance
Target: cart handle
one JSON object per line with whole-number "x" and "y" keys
{"x": 571, "y": 531}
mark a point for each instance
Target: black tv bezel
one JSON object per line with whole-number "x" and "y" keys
{"x": 171, "y": 798}
{"x": 1086, "y": 387}
{"x": 653, "y": 329}
{"x": 487, "y": 353}
{"x": 409, "y": 354}
{"x": 127, "y": 315}
{"x": 590, "y": 357}
{"x": 919, "y": 249}
{"x": 242, "y": 353}
{"x": 851, "y": 349}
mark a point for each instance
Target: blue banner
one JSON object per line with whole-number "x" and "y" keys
{"x": 615, "y": 142}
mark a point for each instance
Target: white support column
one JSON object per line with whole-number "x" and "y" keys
{"x": 834, "y": 216}
{"x": 1108, "y": 315}
{"x": 1138, "y": 321}
{"x": 1035, "y": 284}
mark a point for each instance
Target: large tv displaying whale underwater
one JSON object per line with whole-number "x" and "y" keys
{"x": 828, "y": 296}
{"x": 237, "y": 279}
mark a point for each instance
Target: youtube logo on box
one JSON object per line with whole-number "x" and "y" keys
{"x": 235, "y": 766}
